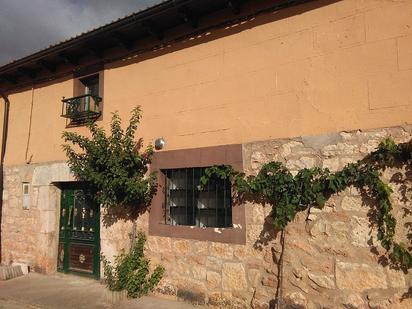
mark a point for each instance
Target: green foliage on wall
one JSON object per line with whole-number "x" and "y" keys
{"x": 131, "y": 271}
{"x": 112, "y": 165}
{"x": 288, "y": 194}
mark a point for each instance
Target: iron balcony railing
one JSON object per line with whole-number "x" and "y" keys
{"x": 82, "y": 108}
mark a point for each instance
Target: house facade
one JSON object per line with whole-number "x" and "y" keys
{"x": 307, "y": 83}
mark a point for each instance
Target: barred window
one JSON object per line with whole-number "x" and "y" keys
{"x": 186, "y": 205}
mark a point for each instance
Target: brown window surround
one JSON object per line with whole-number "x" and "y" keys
{"x": 198, "y": 157}
{"x": 80, "y": 89}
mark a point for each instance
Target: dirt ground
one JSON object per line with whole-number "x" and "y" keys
{"x": 37, "y": 291}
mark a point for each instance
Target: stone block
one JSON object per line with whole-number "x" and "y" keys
{"x": 302, "y": 162}
{"x": 234, "y": 277}
{"x": 198, "y": 259}
{"x": 260, "y": 300}
{"x": 201, "y": 247}
{"x": 269, "y": 281}
{"x": 351, "y": 203}
{"x": 114, "y": 297}
{"x": 240, "y": 252}
{"x": 199, "y": 272}
{"x": 350, "y": 300}
{"x": 290, "y": 147}
{"x": 359, "y": 277}
{"x": 221, "y": 300}
{"x": 48, "y": 222}
{"x": 360, "y": 232}
{"x": 10, "y": 272}
{"x": 5, "y": 195}
{"x": 296, "y": 300}
{"x": 334, "y": 230}
{"x": 44, "y": 175}
{"x": 255, "y": 214}
{"x": 24, "y": 267}
{"x": 160, "y": 244}
{"x": 322, "y": 280}
{"x": 332, "y": 164}
{"x": 43, "y": 199}
{"x": 166, "y": 287}
{"x": 221, "y": 250}
{"x": 320, "y": 141}
{"x": 61, "y": 172}
{"x": 182, "y": 246}
{"x": 253, "y": 232}
{"x": 214, "y": 280}
{"x": 396, "y": 278}
{"x": 41, "y": 176}
{"x": 340, "y": 149}
{"x": 254, "y": 276}
{"x": 213, "y": 263}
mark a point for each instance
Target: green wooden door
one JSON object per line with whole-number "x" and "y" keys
{"x": 79, "y": 237}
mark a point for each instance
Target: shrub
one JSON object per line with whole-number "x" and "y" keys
{"x": 131, "y": 271}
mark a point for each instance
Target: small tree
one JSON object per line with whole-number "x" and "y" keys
{"x": 113, "y": 166}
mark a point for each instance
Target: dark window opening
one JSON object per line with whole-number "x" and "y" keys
{"x": 91, "y": 84}
{"x": 186, "y": 205}
{"x": 86, "y": 106}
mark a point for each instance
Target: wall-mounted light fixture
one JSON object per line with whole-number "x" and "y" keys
{"x": 159, "y": 143}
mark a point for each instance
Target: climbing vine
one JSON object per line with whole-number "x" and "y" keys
{"x": 312, "y": 187}
{"x": 131, "y": 271}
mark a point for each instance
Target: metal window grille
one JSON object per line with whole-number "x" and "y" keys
{"x": 186, "y": 205}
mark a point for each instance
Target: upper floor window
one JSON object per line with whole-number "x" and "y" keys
{"x": 85, "y": 106}
{"x": 186, "y": 205}
{"x": 91, "y": 85}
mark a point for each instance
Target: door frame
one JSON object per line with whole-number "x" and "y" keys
{"x": 64, "y": 240}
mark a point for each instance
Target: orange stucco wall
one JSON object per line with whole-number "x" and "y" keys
{"x": 342, "y": 66}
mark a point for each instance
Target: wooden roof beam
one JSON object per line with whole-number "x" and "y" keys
{"x": 121, "y": 39}
{"x": 97, "y": 51}
{"x": 70, "y": 58}
{"x": 27, "y": 72}
{"x": 188, "y": 16}
{"x": 235, "y": 5}
{"x": 51, "y": 67}
{"x": 153, "y": 29}
{"x": 10, "y": 79}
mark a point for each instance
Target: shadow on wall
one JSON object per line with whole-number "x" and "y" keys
{"x": 217, "y": 31}
{"x": 400, "y": 179}
{"x": 130, "y": 213}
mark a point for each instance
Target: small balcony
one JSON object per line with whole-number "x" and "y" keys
{"x": 81, "y": 109}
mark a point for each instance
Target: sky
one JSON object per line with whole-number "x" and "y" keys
{"x": 27, "y": 26}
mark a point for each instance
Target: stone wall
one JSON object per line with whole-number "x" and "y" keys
{"x": 330, "y": 260}
{"x": 331, "y": 257}
{"x": 30, "y": 235}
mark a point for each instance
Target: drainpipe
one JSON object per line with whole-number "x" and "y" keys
{"x": 2, "y": 154}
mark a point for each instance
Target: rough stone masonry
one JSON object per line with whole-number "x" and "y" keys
{"x": 331, "y": 256}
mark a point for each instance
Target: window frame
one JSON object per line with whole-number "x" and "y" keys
{"x": 211, "y": 207}
{"x": 188, "y": 158}
{"x": 79, "y": 89}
